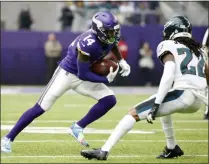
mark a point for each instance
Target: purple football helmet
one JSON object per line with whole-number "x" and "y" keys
{"x": 105, "y": 25}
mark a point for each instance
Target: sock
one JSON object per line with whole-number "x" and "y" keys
{"x": 25, "y": 120}
{"x": 98, "y": 110}
{"x": 206, "y": 111}
{"x": 123, "y": 127}
{"x": 167, "y": 125}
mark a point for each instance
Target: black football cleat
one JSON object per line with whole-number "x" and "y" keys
{"x": 95, "y": 154}
{"x": 171, "y": 153}
{"x": 206, "y": 117}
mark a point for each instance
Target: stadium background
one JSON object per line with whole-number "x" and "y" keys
{"x": 23, "y": 64}
{"x": 22, "y": 51}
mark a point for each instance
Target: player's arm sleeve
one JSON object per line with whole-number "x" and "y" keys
{"x": 164, "y": 48}
{"x": 205, "y": 43}
{"x": 207, "y": 73}
{"x": 167, "y": 78}
{"x": 84, "y": 72}
{"x": 205, "y": 40}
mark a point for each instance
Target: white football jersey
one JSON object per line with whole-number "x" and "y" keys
{"x": 189, "y": 71}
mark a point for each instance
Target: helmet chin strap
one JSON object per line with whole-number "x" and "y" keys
{"x": 181, "y": 34}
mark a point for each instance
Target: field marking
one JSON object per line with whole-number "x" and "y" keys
{"x": 84, "y": 106}
{"x": 39, "y": 89}
{"x": 111, "y": 156}
{"x": 72, "y": 107}
{"x": 106, "y": 121}
{"x": 129, "y": 141}
{"x": 64, "y": 130}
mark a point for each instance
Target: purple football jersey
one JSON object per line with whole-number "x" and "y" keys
{"x": 90, "y": 45}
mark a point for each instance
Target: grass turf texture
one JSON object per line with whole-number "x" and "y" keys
{"x": 191, "y": 133}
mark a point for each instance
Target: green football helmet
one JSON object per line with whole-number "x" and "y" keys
{"x": 176, "y": 27}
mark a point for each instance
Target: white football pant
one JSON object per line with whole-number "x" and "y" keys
{"x": 62, "y": 81}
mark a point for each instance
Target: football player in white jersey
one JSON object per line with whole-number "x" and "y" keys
{"x": 205, "y": 43}
{"x": 181, "y": 89}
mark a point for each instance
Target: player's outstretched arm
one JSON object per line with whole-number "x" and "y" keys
{"x": 84, "y": 72}
{"x": 165, "y": 84}
{"x": 206, "y": 73}
{"x": 167, "y": 77}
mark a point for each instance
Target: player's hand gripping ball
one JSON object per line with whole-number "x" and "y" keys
{"x": 102, "y": 67}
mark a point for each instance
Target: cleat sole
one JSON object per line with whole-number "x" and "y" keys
{"x": 86, "y": 155}
{"x": 89, "y": 157}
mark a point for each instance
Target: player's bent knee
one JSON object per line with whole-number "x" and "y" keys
{"x": 113, "y": 100}
{"x": 44, "y": 107}
{"x": 133, "y": 113}
{"x": 110, "y": 99}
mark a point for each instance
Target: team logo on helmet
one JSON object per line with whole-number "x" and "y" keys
{"x": 176, "y": 27}
{"x": 105, "y": 25}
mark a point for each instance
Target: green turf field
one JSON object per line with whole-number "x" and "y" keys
{"x": 38, "y": 145}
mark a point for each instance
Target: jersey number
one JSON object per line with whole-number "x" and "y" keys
{"x": 191, "y": 69}
{"x": 90, "y": 41}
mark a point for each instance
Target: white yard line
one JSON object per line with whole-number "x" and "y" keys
{"x": 111, "y": 156}
{"x": 129, "y": 141}
{"x": 105, "y": 121}
{"x": 64, "y": 130}
{"x": 71, "y": 107}
{"x": 7, "y": 90}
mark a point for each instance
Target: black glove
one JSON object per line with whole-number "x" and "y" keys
{"x": 151, "y": 115}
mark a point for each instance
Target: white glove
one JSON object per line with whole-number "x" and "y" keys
{"x": 111, "y": 75}
{"x": 149, "y": 118}
{"x": 125, "y": 68}
{"x": 151, "y": 115}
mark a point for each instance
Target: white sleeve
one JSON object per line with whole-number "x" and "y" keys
{"x": 205, "y": 53}
{"x": 166, "y": 81}
{"x": 205, "y": 38}
{"x": 163, "y": 47}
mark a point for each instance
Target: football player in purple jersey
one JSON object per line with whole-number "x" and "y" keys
{"x": 74, "y": 73}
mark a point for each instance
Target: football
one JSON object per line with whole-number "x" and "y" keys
{"x": 102, "y": 67}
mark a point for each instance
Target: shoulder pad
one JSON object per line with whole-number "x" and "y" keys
{"x": 164, "y": 46}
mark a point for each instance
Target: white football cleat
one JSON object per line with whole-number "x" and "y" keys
{"x": 6, "y": 145}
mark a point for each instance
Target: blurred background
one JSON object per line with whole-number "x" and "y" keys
{"x": 35, "y": 35}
